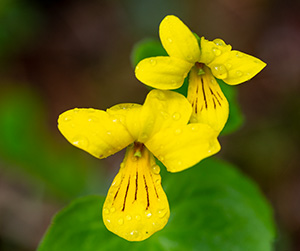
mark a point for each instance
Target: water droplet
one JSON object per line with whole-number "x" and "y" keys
{"x": 143, "y": 137}
{"x": 108, "y": 133}
{"x": 177, "y": 131}
{"x": 137, "y": 68}
{"x": 219, "y": 42}
{"x": 138, "y": 217}
{"x": 92, "y": 119}
{"x": 238, "y": 73}
{"x": 80, "y": 141}
{"x": 161, "y": 158}
{"x": 148, "y": 213}
{"x": 108, "y": 220}
{"x": 195, "y": 128}
{"x": 152, "y": 62}
{"x": 164, "y": 114}
{"x": 134, "y": 233}
{"x": 128, "y": 217}
{"x": 170, "y": 40}
{"x": 216, "y": 51}
{"x": 162, "y": 212}
{"x": 120, "y": 221}
{"x": 189, "y": 57}
{"x": 160, "y": 95}
{"x": 112, "y": 210}
{"x": 176, "y": 116}
{"x": 228, "y": 66}
{"x": 219, "y": 71}
{"x": 68, "y": 118}
{"x": 155, "y": 169}
{"x": 239, "y": 54}
{"x": 114, "y": 119}
{"x": 106, "y": 210}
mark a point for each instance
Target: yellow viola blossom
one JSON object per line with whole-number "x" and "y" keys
{"x": 136, "y": 205}
{"x": 204, "y": 61}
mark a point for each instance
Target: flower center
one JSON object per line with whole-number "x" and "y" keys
{"x": 136, "y": 205}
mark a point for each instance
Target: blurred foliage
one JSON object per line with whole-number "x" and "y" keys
{"x": 213, "y": 207}
{"x": 151, "y": 48}
{"x": 19, "y": 22}
{"x": 26, "y": 143}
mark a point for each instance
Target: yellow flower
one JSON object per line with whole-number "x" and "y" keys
{"x": 204, "y": 60}
{"x": 136, "y": 205}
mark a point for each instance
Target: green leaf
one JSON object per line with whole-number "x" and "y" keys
{"x": 146, "y": 48}
{"x": 27, "y": 144}
{"x": 213, "y": 207}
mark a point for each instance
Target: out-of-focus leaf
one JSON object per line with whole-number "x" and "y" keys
{"x": 26, "y": 143}
{"x": 19, "y": 22}
{"x": 213, "y": 207}
{"x": 151, "y": 48}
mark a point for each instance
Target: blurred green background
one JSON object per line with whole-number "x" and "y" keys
{"x": 57, "y": 55}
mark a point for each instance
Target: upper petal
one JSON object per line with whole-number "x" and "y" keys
{"x": 161, "y": 110}
{"x": 239, "y": 66}
{"x": 165, "y": 73}
{"x": 94, "y": 131}
{"x": 181, "y": 147}
{"x": 178, "y": 40}
{"x": 212, "y": 49}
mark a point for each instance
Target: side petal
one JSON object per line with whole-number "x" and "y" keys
{"x": 240, "y": 67}
{"x": 165, "y": 73}
{"x": 136, "y": 205}
{"x": 161, "y": 110}
{"x": 212, "y": 49}
{"x": 178, "y": 40}
{"x": 182, "y": 147}
{"x": 94, "y": 131}
{"x": 129, "y": 115}
{"x": 210, "y": 106}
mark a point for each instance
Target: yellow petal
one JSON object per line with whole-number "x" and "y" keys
{"x": 178, "y": 40}
{"x": 136, "y": 206}
{"x": 209, "y": 104}
{"x": 212, "y": 49}
{"x": 236, "y": 67}
{"x": 165, "y": 73}
{"x": 94, "y": 131}
{"x": 181, "y": 147}
{"x": 161, "y": 110}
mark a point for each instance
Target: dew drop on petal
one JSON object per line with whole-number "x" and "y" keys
{"x": 176, "y": 116}
{"x": 239, "y": 54}
{"x": 195, "y": 128}
{"x": 219, "y": 71}
{"x": 161, "y": 158}
{"x": 179, "y": 163}
{"x": 138, "y": 217}
{"x": 219, "y": 42}
{"x": 148, "y": 213}
{"x": 68, "y": 118}
{"x": 108, "y": 133}
{"x": 228, "y": 66}
{"x": 128, "y": 217}
{"x": 134, "y": 233}
{"x": 120, "y": 221}
{"x": 155, "y": 169}
{"x": 162, "y": 212}
{"x": 170, "y": 40}
{"x": 152, "y": 62}
{"x": 112, "y": 210}
{"x": 216, "y": 51}
{"x": 177, "y": 131}
{"x": 238, "y": 73}
{"x": 80, "y": 141}
{"x": 106, "y": 210}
